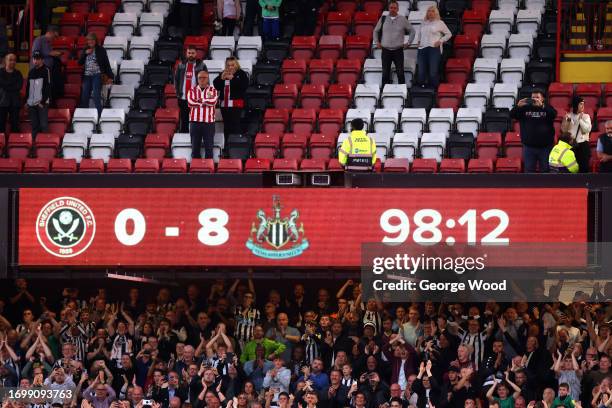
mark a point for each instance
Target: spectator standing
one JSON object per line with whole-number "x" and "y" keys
{"x": 253, "y": 9}
{"x": 229, "y": 12}
{"x": 202, "y": 99}
{"x": 578, "y": 124}
{"x": 389, "y": 34}
{"x": 97, "y": 71}
{"x": 11, "y": 82}
{"x": 433, "y": 34}
{"x": 190, "y": 12}
{"x": 38, "y": 93}
{"x": 604, "y": 149}
{"x": 307, "y": 10}
{"x": 231, "y": 84}
{"x": 44, "y": 46}
{"x": 270, "y": 12}
{"x": 185, "y": 78}
{"x": 537, "y": 132}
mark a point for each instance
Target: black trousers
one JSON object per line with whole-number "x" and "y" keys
{"x": 191, "y": 17}
{"x": 231, "y": 121}
{"x": 307, "y": 21}
{"x": 227, "y": 29}
{"x": 397, "y": 58}
{"x": 13, "y": 114}
{"x": 202, "y": 131}
{"x": 184, "y": 115}
{"x": 39, "y": 116}
{"x": 582, "y": 151}
{"x": 253, "y": 9}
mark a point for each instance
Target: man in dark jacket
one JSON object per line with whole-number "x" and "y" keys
{"x": 232, "y": 84}
{"x": 307, "y": 11}
{"x": 376, "y": 391}
{"x": 38, "y": 93}
{"x": 184, "y": 80}
{"x": 336, "y": 395}
{"x": 537, "y": 132}
{"x": 11, "y": 82}
{"x": 97, "y": 71}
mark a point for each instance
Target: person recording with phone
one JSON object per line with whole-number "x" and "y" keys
{"x": 536, "y": 120}
{"x": 97, "y": 72}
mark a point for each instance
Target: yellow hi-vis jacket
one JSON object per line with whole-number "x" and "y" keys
{"x": 562, "y": 158}
{"x": 357, "y": 144}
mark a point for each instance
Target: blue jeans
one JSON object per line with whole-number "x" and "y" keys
{"x": 93, "y": 82}
{"x": 428, "y": 66}
{"x": 536, "y": 155}
{"x": 271, "y": 28}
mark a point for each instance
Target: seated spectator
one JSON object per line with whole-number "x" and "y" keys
{"x": 604, "y": 149}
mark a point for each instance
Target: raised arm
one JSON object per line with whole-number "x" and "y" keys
{"x": 343, "y": 289}
{"x": 128, "y": 319}
{"x": 492, "y": 390}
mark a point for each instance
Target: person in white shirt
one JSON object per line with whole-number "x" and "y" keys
{"x": 578, "y": 124}
{"x": 433, "y": 34}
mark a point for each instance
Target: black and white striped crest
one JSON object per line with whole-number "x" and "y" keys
{"x": 277, "y": 234}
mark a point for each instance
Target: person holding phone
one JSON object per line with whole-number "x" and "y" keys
{"x": 202, "y": 99}
{"x": 97, "y": 72}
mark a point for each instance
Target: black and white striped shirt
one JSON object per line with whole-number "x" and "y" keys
{"x": 373, "y": 318}
{"x": 477, "y": 341}
{"x": 245, "y": 322}
{"x": 79, "y": 341}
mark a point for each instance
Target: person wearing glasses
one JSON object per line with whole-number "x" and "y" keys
{"x": 202, "y": 99}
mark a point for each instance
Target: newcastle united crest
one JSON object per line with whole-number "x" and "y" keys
{"x": 276, "y": 237}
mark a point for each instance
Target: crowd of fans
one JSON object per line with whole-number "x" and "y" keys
{"x": 217, "y": 344}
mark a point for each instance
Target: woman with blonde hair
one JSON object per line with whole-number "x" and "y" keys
{"x": 433, "y": 34}
{"x": 231, "y": 84}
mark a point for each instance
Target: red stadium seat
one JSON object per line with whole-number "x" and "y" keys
{"x": 346, "y": 6}
{"x": 312, "y": 96}
{"x": 65, "y": 45}
{"x": 91, "y": 166}
{"x": 59, "y": 119}
{"x": 303, "y": 121}
{"x": 593, "y": 138}
{"x": 365, "y": 22}
{"x": 99, "y": 22}
{"x": 257, "y": 165}
{"x": 452, "y": 166}
{"x": 374, "y": 6}
{"x": 484, "y": 6}
{"x": 146, "y": 166}
{"x": 330, "y": 47}
{"x": 480, "y": 166}
{"x": 107, "y": 7}
{"x": 558, "y": 120}
{"x": 71, "y": 98}
{"x": 313, "y": 165}
{"x": 474, "y": 21}
{"x": 334, "y": 165}
{"x": 166, "y": 120}
{"x": 450, "y": 96}
{"x": 200, "y": 42}
{"x": 294, "y": 146}
{"x": 74, "y": 72}
{"x": 608, "y": 95}
{"x": 176, "y": 165}
{"x": 82, "y": 7}
{"x": 46, "y": 145}
{"x": 513, "y": 145}
{"x": 119, "y": 166}
{"x": 276, "y": 121}
{"x": 303, "y": 47}
{"x": 458, "y": 71}
{"x": 348, "y": 71}
{"x": 358, "y": 46}
{"x": 170, "y": 96}
{"x": 293, "y": 71}
{"x": 339, "y": 96}
{"x": 603, "y": 114}
{"x": 321, "y": 146}
{"x": 591, "y": 93}
{"x": 229, "y": 166}
{"x": 72, "y": 24}
{"x": 10, "y": 165}
{"x": 424, "y": 166}
{"x": 338, "y": 22}
{"x": 466, "y": 46}
{"x": 320, "y": 71}
{"x": 331, "y": 122}
{"x": 400, "y": 165}
{"x": 2, "y": 142}
{"x": 19, "y": 145}
{"x": 560, "y": 95}
{"x": 285, "y": 165}
{"x": 63, "y": 166}
{"x": 285, "y": 96}
{"x": 508, "y": 165}
{"x": 36, "y": 166}
{"x": 488, "y": 145}
{"x": 267, "y": 146}
{"x": 202, "y": 166}
{"x": 156, "y": 145}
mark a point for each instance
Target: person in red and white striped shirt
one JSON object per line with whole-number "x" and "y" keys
{"x": 202, "y": 99}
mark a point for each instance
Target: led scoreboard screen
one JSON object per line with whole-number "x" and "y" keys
{"x": 281, "y": 227}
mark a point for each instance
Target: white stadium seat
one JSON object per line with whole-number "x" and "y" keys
{"x": 477, "y": 95}
{"x": 528, "y": 21}
{"x": 111, "y": 120}
{"x": 74, "y": 146}
{"x": 501, "y": 21}
{"x": 130, "y": 72}
{"x": 248, "y": 48}
{"x": 468, "y": 120}
{"x": 366, "y": 96}
{"x": 372, "y": 71}
{"x": 116, "y": 47}
{"x": 504, "y": 95}
{"x": 121, "y": 97}
{"x": 413, "y": 120}
{"x": 485, "y": 71}
{"x": 222, "y": 47}
{"x": 394, "y": 96}
{"x": 181, "y": 146}
{"x": 101, "y": 146}
{"x": 405, "y": 145}
{"x": 385, "y": 121}
{"x": 512, "y": 70}
{"x": 520, "y": 45}
{"x": 441, "y": 120}
{"x": 363, "y": 114}
{"x": 84, "y": 121}
{"x": 493, "y": 46}
{"x": 141, "y": 48}
{"x": 433, "y": 146}
{"x": 124, "y": 24}
{"x": 151, "y": 24}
